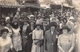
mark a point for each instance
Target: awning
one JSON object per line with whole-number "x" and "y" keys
{"x": 55, "y": 6}
{"x": 17, "y": 5}
{"x": 33, "y": 5}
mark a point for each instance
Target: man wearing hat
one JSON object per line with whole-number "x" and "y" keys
{"x": 24, "y": 34}
{"x": 37, "y": 37}
{"x": 50, "y": 38}
{"x": 29, "y": 30}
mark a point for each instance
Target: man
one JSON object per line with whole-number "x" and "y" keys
{"x": 24, "y": 34}
{"x": 50, "y": 38}
{"x": 29, "y": 30}
{"x": 45, "y": 25}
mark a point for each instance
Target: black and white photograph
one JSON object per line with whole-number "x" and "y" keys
{"x": 39, "y": 25}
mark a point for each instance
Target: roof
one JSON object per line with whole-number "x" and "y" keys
{"x": 10, "y": 4}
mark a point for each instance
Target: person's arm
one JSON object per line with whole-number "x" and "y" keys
{"x": 11, "y": 46}
{"x": 34, "y": 37}
{"x": 1, "y": 46}
{"x": 73, "y": 43}
{"x": 10, "y": 43}
{"x": 59, "y": 45}
{"x": 42, "y": 35}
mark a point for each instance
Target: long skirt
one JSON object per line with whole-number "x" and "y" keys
{"x": 17, "y": 43}
{"x": 35, "y": 48}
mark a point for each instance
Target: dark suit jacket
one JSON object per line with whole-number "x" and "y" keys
{"x": 28, "y": 31}
{"x": 49, "y": 39}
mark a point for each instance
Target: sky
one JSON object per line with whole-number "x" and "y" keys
{"x": 47, "y": 1}
{"x": 76, "y": 3}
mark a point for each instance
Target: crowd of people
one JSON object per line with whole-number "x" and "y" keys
{"x": 39, "y": 31}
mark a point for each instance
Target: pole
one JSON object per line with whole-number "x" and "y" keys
{"x": 61, "y": 9}
{"x": 0, "y": 12}
{"x": 44, "y": 39}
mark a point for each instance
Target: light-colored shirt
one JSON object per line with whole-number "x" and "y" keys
{"x": 24, "y": 28}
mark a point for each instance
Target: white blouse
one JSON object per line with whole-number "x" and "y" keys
{"x": 37, "y": 34}
{"x": 16, "y": 31}
{"x": 5, "y": 44}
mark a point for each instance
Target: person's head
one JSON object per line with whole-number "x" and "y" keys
{"x": 26, "y": 22}
{"x": 4, "y": 33}
{"x": 62, "y": 21}
{"x": 65, "y": 30}
{"x": 53, "y": 26}
{"x": 3, "y": 16}
{"x": 44, "y": 23}
{"x": 39, "y": 16}
{"x": 32, "y": 17}
{"x": 15, "y": 23}
{"x": 38, "y": 26}
{"x": 8, "y": 25}
{"x": 32, "y": 23}
{"x": 17, "y": 13}
{"x": 11, "y": 15}
{"x": 3, "y": 23}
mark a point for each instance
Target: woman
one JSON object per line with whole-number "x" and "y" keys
{"x": 66, "y": 41}
{"x": 16, "y": 37}
{"x": 5, "y": 41}
{"x": 37, "y": 37}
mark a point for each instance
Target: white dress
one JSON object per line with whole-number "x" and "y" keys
{"x": 37, "y": 34}
{"x": 5, "y": 44}
{"x": 66, "y": 42}
{"x": 16, "y": 38}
